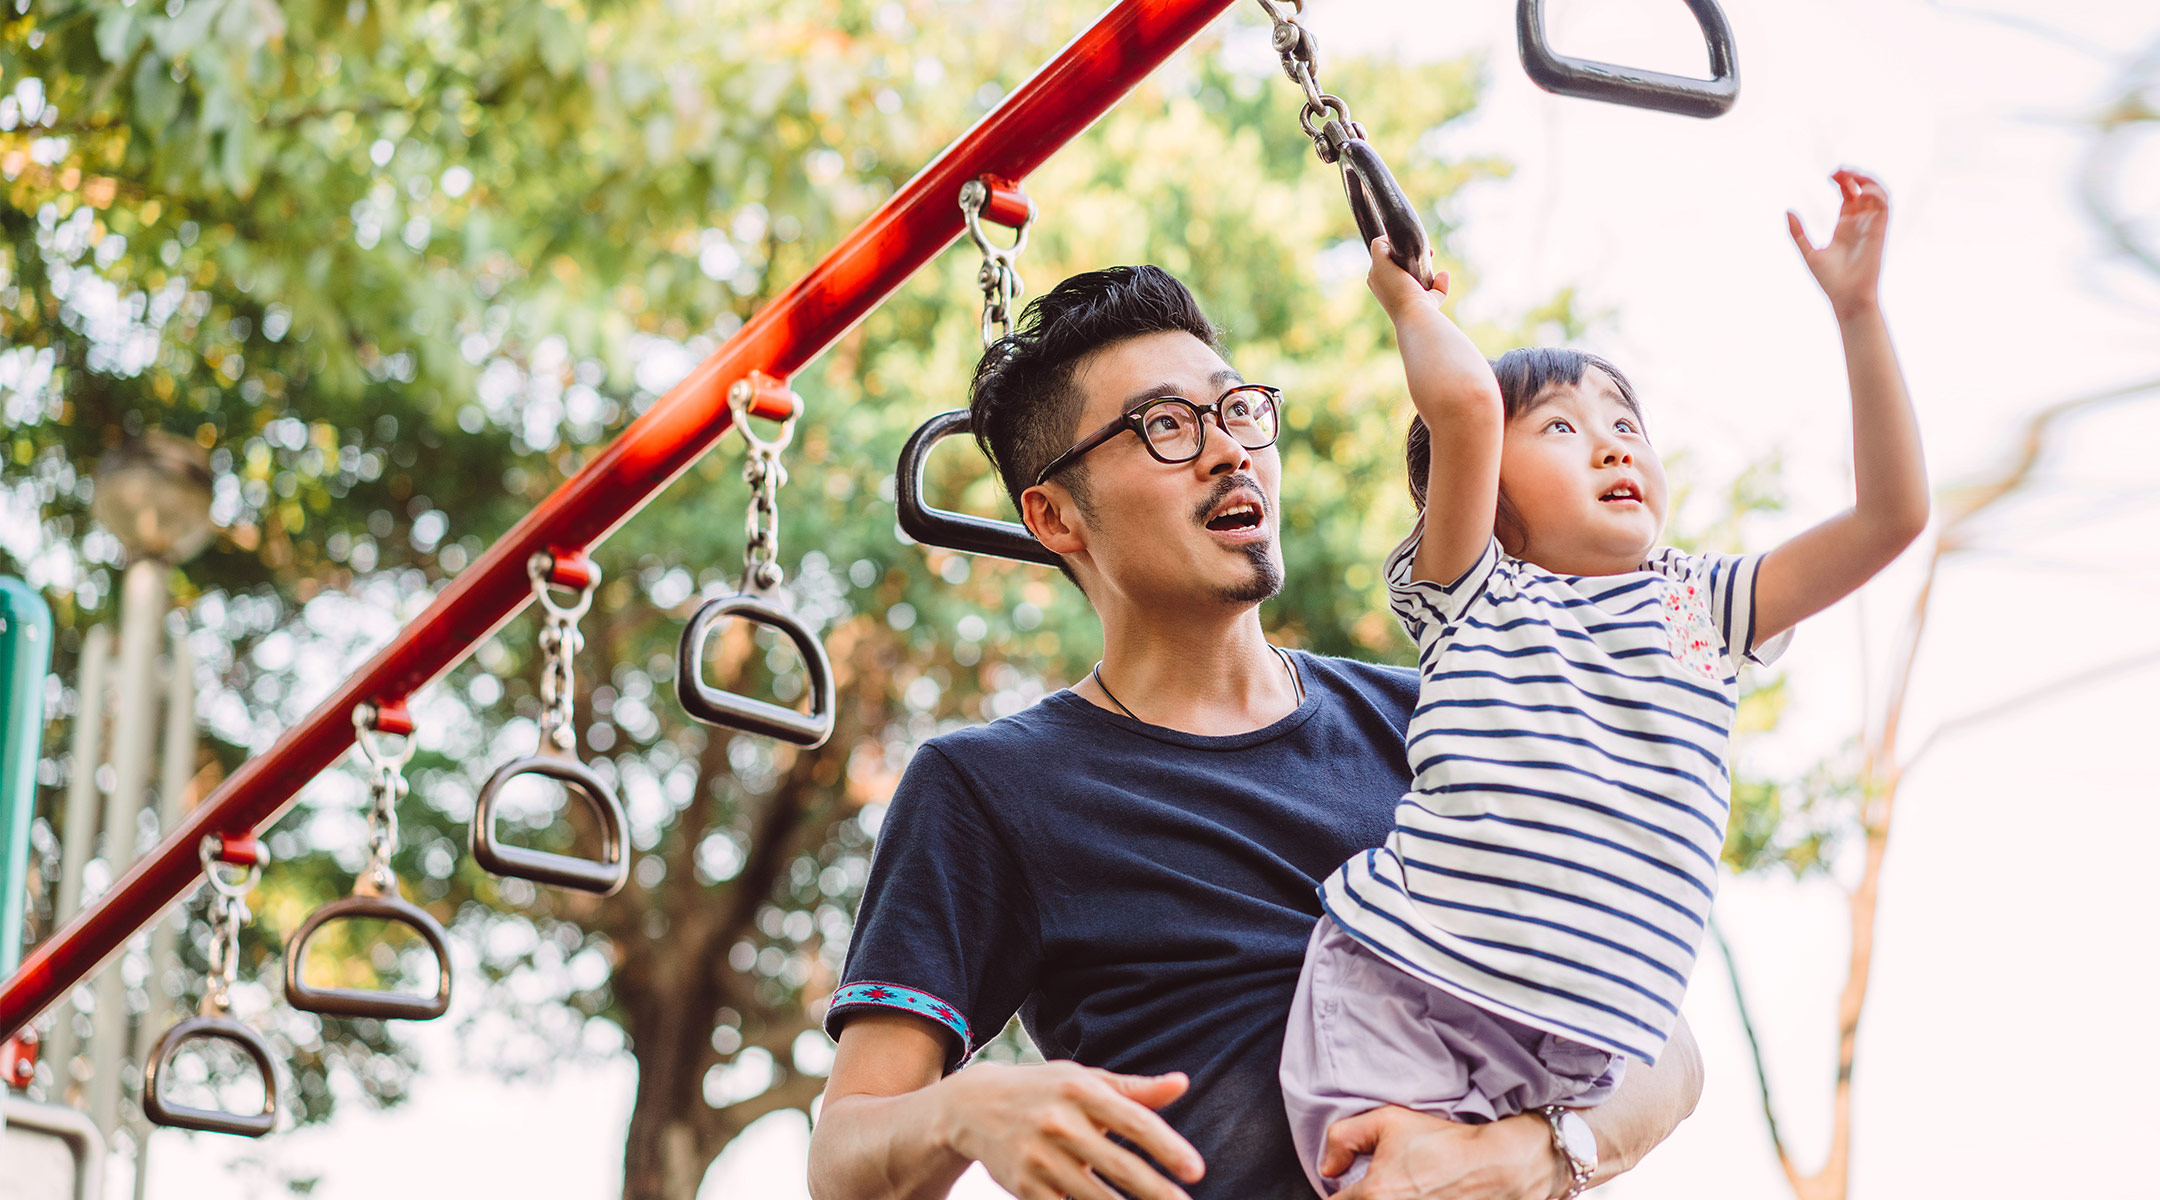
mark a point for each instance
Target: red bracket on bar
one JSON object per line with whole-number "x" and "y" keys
{"x": 771, "y": 397}
{"x": 1007, "y": 205}
{"x": 18, "y": 1059}
{"x": 390, "y": 717}
{"x": 571, "y": 569}
{"x": 242, "y": 851}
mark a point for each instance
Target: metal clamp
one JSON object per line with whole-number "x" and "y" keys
{"x": 715, "y": 706}
{"x": 375, "y": 892}
{"x": 213, "y": 1020}
{"x": 1590, "y": 80}
{"x": 603, "y": 876}
{"x": 951, "y": 530}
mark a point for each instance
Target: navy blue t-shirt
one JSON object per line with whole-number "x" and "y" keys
{"x": 1141, "y": 897}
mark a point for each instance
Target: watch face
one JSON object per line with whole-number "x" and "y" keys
{"x": 1581, "y": 1143}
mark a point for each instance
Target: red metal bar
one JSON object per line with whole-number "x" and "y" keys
{"x": 1054, "y": 106}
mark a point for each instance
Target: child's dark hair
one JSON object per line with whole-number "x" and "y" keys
{"x": 1523, "y": 374}
{"x": 1023, "y": 406}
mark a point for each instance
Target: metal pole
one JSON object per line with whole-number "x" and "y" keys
{"x": 175, "y": 770}
{"x": 26, "y": 634}
{"x": 142, "y": 619}
{"x": 85, "y": 751}
{"x": 1054, "y": 106}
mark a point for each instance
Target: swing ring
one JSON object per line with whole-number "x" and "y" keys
{"x": 974, "y": 194}
{"x": 739, "y": 395}
{"x": 1308, "y": 119}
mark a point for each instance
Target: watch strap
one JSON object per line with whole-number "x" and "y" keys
{"x": 1578, "y": 1171}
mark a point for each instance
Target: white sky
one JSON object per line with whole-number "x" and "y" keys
{"x": 2017, "y": 872}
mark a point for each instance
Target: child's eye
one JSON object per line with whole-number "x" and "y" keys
{"x": 1624, "y": 425}
{"x": 1558, "y": 423}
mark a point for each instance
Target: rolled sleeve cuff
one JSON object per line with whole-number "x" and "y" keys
{"x": 864, "y": 996}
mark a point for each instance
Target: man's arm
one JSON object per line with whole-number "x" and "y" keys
{"x": 892, "y": 1129}
{"x": 1424, "y": 1157}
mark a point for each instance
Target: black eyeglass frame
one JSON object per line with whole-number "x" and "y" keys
{"x": 1135, "y": 419}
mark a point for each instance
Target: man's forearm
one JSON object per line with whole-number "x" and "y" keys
{"x": 882, "y": 1148}
{"x": 1650, "y": 1104}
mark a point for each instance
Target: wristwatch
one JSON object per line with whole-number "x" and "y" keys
{"x": 1576, "y": 1146}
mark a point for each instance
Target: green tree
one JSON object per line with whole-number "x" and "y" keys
{"x": 402, "y": 267}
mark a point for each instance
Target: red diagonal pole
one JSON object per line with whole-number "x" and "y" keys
{"x": 1051, "y": 108}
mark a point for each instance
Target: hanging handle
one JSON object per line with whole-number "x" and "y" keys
{"x": 602, "y": 876}
{"x": 366, "y": 1002}
{"x": 715, "y": 706}
{"x": 209, "y": 1120}
{"x": 951, "y": 530}
{"x": 1380, "y": 207}
{"x": 1613, "y": 84}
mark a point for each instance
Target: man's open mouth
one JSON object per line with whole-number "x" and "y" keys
{"x": 1236, "y": 517}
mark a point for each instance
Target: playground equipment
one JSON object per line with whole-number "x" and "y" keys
{"x": 557, "y": 757}
{"x": 214, "y": 1020}
{"x": 759, "y": 598}
{"x": 746, "y": 377}
{"x": 375, "y": 890}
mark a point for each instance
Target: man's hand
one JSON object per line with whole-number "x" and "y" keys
{"x": 1416, "y": 1156}
{"x": 1042, "y": 1131}
{"x": 1850, "y": 266}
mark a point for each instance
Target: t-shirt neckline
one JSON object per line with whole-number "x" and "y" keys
{"x": 1068, "y": 700}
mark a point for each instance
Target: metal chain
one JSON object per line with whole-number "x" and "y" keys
{"x": 999, "y": 277}
{"x": 386, "y": 786}
{"x": 1301, "y": 62}
{"x": 228, "y": 913}
{"x": 766, "y": 474}
{"x": 559, "y": 644}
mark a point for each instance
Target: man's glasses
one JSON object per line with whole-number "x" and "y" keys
{"x": 1174, "y": 429}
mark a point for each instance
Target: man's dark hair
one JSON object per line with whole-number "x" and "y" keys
{"x": 1023, "y": 406}
{"x": 1524, "y": 374}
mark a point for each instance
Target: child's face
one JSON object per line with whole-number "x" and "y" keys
{"x": 1567, "y": 468}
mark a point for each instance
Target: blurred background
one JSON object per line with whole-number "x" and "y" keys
{"x": 302, "y": 304}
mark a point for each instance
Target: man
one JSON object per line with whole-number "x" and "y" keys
{"x": 1131, "y": 865}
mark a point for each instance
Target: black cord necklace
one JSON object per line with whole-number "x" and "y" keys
{"x": 1297, "y": 685}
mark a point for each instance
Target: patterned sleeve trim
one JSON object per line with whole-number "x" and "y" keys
{"x": 869, "y": 993}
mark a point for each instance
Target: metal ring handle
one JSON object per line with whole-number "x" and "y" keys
{"x": 367, "y": 1002}
{"x": 1590, "y": 80}
{"x": 951, "y": 530}
{"x": 714, "y": 706}
{"x": 1380, "y": 207}
{"x": 603, "y": 876}
{"x": 210, "y": 1120}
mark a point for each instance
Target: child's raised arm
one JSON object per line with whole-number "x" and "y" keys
{"x": 1827, "y": 563}
{"x": 1459, "y": 400}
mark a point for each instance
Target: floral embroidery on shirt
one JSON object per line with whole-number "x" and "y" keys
{"x": 1690, "y": 633}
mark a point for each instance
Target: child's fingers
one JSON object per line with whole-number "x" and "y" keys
{"x": 1799, "y": 234}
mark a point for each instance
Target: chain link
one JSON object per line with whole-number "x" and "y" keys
{"x": 386, "y": 786}
{"x": 559, "y": 644}
{"x": 999, "y": 277}
{"x": 1300, "y": 54}
{"x": 764, "y": 472}
{"x": 228, "y": 914}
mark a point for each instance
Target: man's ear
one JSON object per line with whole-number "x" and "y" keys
{"x": 1049, "y": 512}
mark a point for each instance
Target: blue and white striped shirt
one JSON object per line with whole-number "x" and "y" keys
{"x": 1555, "y": 859}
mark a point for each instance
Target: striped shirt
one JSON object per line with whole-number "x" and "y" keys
{"x": 1555, "y": 858}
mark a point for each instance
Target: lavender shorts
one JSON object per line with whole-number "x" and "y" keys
{"x": 1364, "y": 1033}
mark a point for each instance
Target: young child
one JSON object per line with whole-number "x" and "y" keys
{"x": 1531, "y": 923}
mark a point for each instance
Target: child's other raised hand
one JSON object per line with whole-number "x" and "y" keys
{"x": 1396, "y": 289}
{"x": 1850, "y": 266}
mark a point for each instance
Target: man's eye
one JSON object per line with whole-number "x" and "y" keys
{"x": 1240, "y": 408}
{"x": 1164, "y": 423}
